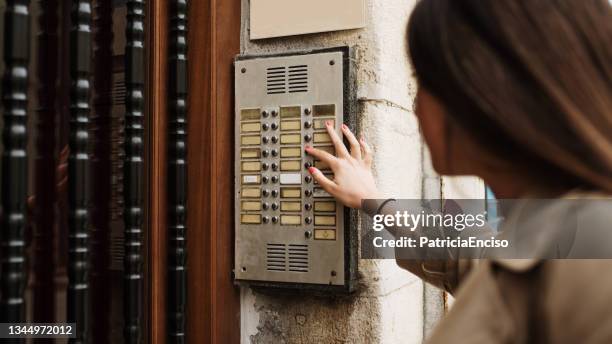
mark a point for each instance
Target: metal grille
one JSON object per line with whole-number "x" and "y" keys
{"x": 282, "y": 257}
{"x": 298, "y": 258}
{"x": 292, "y": 79}
{"x": 276, "y": 80}
{"x": 276, "y": 257}
{"x": 298, "y": 78}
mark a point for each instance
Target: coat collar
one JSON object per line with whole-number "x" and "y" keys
{"x": 544, "y": 225}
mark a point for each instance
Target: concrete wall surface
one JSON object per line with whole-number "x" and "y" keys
{"x": 390, "y": 304}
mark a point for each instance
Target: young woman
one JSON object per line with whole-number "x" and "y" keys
{"x": 519, "y": 93}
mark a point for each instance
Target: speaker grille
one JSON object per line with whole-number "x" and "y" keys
{"x": 298, "y": 258}
{"x": 277, "y": 80}
{"x": 276, "y": 259}
{"x": 292, "y": 79}
{"x": 298, "y": 79}
{"x": 282, "y": 257}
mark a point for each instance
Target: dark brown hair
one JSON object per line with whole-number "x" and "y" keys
{"x": 529, "y": 80}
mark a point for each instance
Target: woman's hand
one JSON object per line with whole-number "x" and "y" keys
{"x": 353, "y": 179}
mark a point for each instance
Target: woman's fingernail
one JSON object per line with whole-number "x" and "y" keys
{"x": 344, "y": 126}
{"x": 312, "y": 170}
{"x": 328, "y": 123}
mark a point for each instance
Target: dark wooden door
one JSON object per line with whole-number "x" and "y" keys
{"x": 116, "y": 187}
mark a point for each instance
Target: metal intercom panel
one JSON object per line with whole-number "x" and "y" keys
{"x": 289, "y": 231}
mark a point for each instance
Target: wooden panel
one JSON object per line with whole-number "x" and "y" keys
{"x": 78, "y": 172}
{"x": 45, "y": 201}
{"x": 14, "y": 160}
{"x": 133, "y": 170}
{"x": 213, "y": 305}
{"x": 158, "y": 47}
{"x": 101, "y": 172}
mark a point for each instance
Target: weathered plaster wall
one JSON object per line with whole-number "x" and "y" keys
{"x": 391, "y": 305}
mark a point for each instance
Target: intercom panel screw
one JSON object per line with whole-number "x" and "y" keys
{"x": 308, "y": 234}
{"x": 333, "y": 273}
{"x": 243, "y": 70}
{"x": 332, "y": 62}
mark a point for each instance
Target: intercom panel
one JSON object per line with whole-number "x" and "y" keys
{"x": 288, "y": 230}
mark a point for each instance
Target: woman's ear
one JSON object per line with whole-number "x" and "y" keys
{"x": 453, "y": 151}
{"x": 433, "y": 123}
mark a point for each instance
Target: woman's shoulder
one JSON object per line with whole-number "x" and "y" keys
{"x": 586, "y": 194}
{"x": 577, "y": 225}
{"x": 578, "y": 291}
{"x": 590, "y": 213}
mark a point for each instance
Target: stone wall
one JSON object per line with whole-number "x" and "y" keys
{"x": 390, "y": 305}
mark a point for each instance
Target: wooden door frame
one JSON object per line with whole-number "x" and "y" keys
{"x": 213, "y": 302}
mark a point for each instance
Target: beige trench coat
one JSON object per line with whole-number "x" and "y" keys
{"x": 520, "y": 301}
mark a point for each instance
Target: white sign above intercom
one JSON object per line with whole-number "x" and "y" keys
{"x": 276, "y": 18}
